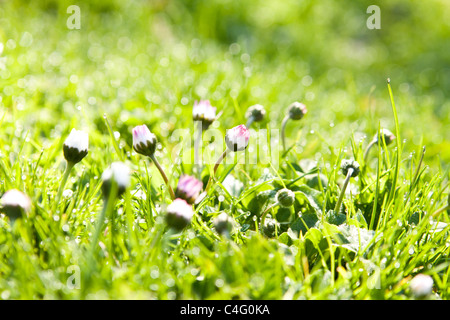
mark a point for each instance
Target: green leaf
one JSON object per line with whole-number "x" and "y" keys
{"x": 233, "y": 186}
{"x": 284, "y": 238}
{"x": 314, "y": 197}
{"x": 335, "y": 218}
{"x": 321, "y": 280}
{"x": 304, "y": 222}
{"x": 354, "y": 238}
{"x": 315, "y": 236}
{"x": 358, "y": 220}
{"x": 313, "y": 180}
{"x": 263, "y": 183}
{"x": 258, "y": 202}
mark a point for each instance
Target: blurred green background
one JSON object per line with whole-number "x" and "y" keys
{"x": 148, "y": 61}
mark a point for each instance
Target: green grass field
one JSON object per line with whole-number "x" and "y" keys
{"x": 147, "y": 62}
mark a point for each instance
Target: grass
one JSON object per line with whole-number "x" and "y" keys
{"x": 141, "y": 62}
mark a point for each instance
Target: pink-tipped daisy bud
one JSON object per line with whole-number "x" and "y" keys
{"x": 350, "y": 164}
{"x": 256, "y": 111}
{"x": 237, "y": 138}
{"x": 76, "y": 146}
{"x": 15, "y": 203}
{"x": 204, "y": 112}
{"x": 188, "y": 188}
{"x": 285, "y": 198}
{"x": 421, "y": 286}
{"x": 297, "y": 110}
{"x": 385, "y": 134}
{"x": 179, "y": 214}
{"x": 144, "y": 142}
{"x": 118, "y": 173}
{"x": 223, "y": 223}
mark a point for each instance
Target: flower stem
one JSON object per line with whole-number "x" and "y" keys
{"x": 369, "y": 146}
{"x": 216, "y": 166}
{"x": 440, "y": 210}
{"x": 197, "y": 146}
{"x": 250, "y": 120}
{"x": 344, "y": 187}
{"x": 108, "y": 206}
{"x": 62, "y": 184}
{"x": 98, "y": 226}
{"x": 161, "y": 171}
{"x": 283, "y": 131}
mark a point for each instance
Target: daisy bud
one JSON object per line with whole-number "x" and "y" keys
{"x": 144, "y": 142}
{"x": 257, "y": 112}
{"x": 237, "y": 138}
{"x": 204, "y": 112}
{"x": 188, "y": 188}
{"x": 349, "y": 168}
{"x": 76, "y": 146}
{"x": 285, "y": 198}
{"x": 15, "y": 203}
{"x": 223, "y": 223}
{"x": 297, "y": 110}
{"x": 179, "y": 214}
{"x": 387, "y": 135}
{"x": 421, "y": 286}
{"x": 350, "y": 164}
{"x": 270, "y": 226}
{"x": 118, "y": 173}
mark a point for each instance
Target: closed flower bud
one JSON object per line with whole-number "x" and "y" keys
{"x": 144, "y": 142}
{"x": 76, "y": 146}
{"x": 179, "y": 214}
{"x": 15, "y": 203}
{"x": 285, "y": 198}
{"x": 270, "y": 226}
{"x": 256, "y": 111}
{"x": 385, "y": 134}
{"x": 350, "y": 164}
{"x": 188, "y": 188}
{"x": 204, "y": 112}
{"x": 118, "y": 173}
{"x": 223, "y": 223}
{"x": 237, "y": 138}
{"x": 421, "y": 286}
{"x": 297, "y": 110}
